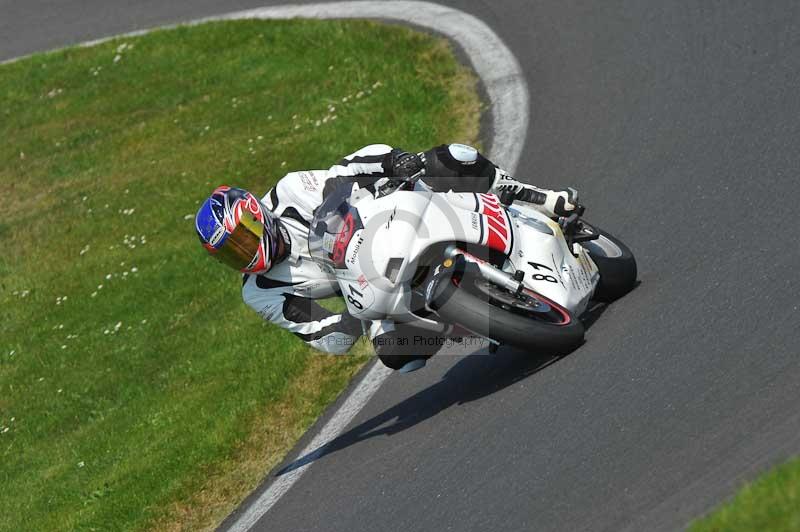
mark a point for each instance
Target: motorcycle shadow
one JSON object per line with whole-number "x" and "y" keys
{"x": 475, "y": 376}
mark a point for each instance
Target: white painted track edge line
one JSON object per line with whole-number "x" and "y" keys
{"x": 507, "y": 91}
{"x": 508, "y": 97}
{"x": 351, "y": 406}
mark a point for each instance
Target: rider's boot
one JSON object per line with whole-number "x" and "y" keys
{"x": 403, "y": 347}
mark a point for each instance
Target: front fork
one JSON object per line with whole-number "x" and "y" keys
{"x": 438, "y": 292}
{"x": 492, "y": 274}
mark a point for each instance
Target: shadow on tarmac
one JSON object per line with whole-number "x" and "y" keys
{"x": 473, "y": 377}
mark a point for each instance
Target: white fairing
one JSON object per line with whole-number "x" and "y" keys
{"x": 383, "y": 256}
{"x": 550, "y": 269}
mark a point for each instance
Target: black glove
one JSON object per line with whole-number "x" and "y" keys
{"x": 404, "y": 164}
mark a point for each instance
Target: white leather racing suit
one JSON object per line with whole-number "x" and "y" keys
{"x": 285, "y": 295}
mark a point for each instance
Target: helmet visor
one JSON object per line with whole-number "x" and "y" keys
{"x": 243, "y": 247}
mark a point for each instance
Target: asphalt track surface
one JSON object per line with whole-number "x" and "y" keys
{"x": 680, "y": 124}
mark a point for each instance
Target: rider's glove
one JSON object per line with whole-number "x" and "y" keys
{"x": 563, "y": 202}
{"x": 404, "y": 165}
{"x": 552, "y": 202}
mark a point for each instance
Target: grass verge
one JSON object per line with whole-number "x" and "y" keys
{"x": 136, "y": 389}
{"x": 770, "y": 503}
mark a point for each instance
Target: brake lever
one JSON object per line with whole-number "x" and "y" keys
{"x": 568, "y": 229}
{"x": 568, "y": 224}
{"x": 406, "y": 183}
{"x": 412, "y": 181}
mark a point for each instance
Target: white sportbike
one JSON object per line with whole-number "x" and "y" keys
{"x": 468, "y": 263}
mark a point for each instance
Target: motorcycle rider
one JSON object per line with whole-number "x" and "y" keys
{"x": 267, "y": 239}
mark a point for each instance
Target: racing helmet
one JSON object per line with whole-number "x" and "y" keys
{"x": 238, "y": 230}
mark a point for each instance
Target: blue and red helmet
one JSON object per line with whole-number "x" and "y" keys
{"x": 236, "y": 228}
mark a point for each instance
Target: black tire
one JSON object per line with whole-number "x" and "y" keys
{"x": 460, "y": 301}
{"x": 615, "y": 262}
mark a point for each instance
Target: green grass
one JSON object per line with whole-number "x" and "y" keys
{"x": 136, "y": 388}
{"x": 771, "y": 503}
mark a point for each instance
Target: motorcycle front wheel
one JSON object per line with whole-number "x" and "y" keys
{"x": 614, "y": 261}
{"x": 526, "y": 320}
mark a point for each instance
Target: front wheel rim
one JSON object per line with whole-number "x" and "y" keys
{"x": 527, "y": 303}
